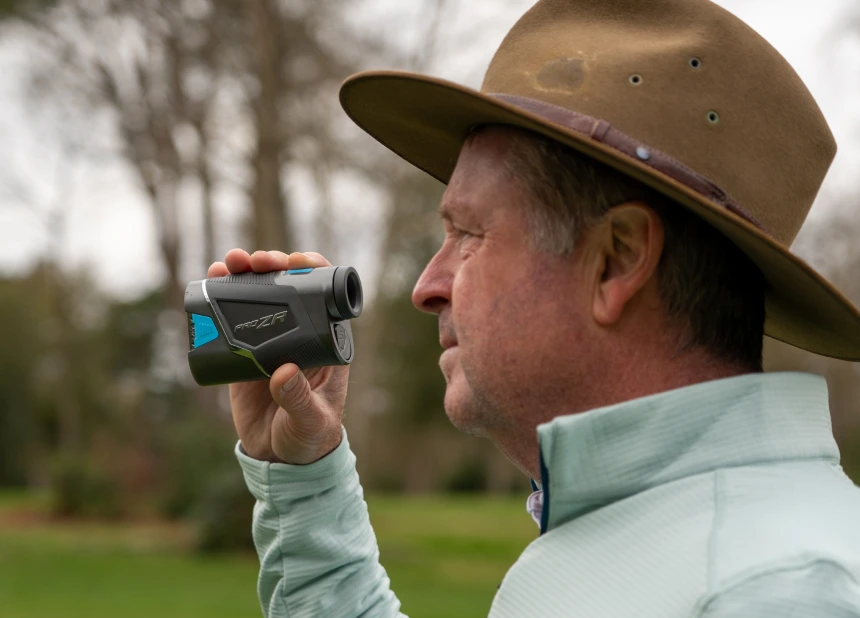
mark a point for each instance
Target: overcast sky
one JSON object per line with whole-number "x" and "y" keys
{"x": 110, "y": 231}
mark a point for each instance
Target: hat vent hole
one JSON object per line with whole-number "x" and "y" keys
{"x": 695, "y": 63}
{"x": 636, "y": 79}
{"x": 713, "y": 117}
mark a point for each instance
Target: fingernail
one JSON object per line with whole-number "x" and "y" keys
{"x": 290, "y": 384}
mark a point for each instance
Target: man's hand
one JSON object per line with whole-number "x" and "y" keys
{"x": 296, "y": 417}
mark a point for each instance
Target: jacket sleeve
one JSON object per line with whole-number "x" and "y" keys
{"x": 822, "y": 588}
{"x": 318, "y": 553}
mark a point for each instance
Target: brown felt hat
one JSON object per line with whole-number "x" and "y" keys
{"x": 679, "y": 94}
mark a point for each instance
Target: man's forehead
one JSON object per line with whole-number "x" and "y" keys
{"x": 482, "y": 168}
{"x": 482, "y": 183}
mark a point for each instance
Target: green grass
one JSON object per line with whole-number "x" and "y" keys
{"x": 445, "y": 557}
{"x": 40, "y": 583}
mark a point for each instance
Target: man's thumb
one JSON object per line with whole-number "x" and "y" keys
{"x": 291, "y": 389}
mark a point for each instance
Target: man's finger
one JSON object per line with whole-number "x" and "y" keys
{"x": 282, "y": 260}
{"x": 267, "y": 261}
{"x": 318, "y": 257}
{"x": 218, "y": 269}
{"x": 238, "y": 261}
{"x": 309, "y": 259}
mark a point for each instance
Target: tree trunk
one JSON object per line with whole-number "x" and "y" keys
{"x": 270, "y": 224}
{"x": 206, "y": 203}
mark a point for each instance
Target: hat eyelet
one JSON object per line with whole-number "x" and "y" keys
{"x": 635, "y": 80}
{"x": 713, "y": 117}
{"x": 695, "y": 64}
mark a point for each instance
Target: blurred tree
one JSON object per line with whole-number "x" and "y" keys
{"x": 25, "y": 307}
{"x": 40, "y": 380}
{"x": 831, "y": 246}
{"x": 203, "y": 96}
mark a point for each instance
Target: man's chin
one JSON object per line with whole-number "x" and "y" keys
{"x": 462, "y": 410}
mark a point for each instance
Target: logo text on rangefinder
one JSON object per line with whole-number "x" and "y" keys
{"x": 268, "y": 320}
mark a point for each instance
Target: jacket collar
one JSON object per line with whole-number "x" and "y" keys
{"x": 597, "y": 457}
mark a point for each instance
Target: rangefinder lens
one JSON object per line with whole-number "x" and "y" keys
{"x": 348, "y": 296}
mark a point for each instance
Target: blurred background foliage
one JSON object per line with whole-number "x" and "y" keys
{"x": 234, "y": 99}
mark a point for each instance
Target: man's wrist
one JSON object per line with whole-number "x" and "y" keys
{"x": 296, "y": 455}
{"x": 311, "y": 456}
{"x": 327, "y": 471}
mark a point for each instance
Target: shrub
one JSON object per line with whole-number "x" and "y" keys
{"x": 469, "y": 476}
{"x": 81, "y": 489}
{"x": 224, "y": 513}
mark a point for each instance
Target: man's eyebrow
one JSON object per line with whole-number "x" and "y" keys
{"x": 448, "y": 209}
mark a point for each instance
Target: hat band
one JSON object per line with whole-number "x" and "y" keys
{"x": 601, "y": 131}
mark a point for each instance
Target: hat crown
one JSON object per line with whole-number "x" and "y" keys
{"x": 685, "y": 77}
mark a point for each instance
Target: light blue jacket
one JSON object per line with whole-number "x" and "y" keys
{"x": 723, "y": 499}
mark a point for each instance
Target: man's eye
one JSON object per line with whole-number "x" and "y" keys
{"x": 459, "y": 235}
{"x": 463, "y": 236}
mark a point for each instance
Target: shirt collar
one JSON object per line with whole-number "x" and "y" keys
{"x": 598, "y": 457}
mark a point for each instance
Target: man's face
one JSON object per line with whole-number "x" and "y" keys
{"x": 510, "y": 319}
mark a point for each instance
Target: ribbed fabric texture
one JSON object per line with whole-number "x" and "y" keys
{"x": 719, "y": 500}
{"x": 318, "y": 553}
{"x": 816, "y": 589}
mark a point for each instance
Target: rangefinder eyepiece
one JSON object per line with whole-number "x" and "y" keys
{"x": 243, "y": 327}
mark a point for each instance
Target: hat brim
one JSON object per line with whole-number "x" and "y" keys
{"x": 426, "y": 120}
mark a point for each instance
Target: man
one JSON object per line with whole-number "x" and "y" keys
{"x": 621, "y": 197}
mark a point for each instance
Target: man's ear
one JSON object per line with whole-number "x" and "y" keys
{"x": 628, "y": 243}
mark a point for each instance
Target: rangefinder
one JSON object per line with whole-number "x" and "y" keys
{"x": 243, "y": 327}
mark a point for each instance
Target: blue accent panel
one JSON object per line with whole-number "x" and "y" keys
{"x": 299, "y": 271}
{"x": 204, "y": 330}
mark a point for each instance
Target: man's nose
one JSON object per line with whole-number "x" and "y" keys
{"x": 432, "y": 292}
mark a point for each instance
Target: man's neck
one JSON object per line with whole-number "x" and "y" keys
{"x": 519, "y": 443}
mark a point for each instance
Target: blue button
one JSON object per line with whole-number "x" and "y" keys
{"x": 299, "y": 271}
{"x": 204, "y": 330}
